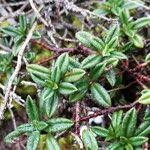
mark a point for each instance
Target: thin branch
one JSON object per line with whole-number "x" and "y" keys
{"x": 15, "y": 73}
{"x": 77, "y": 118}
{"x": 14, "y": 96}
{"x": 108, "y": 110}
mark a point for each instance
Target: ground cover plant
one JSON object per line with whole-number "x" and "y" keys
{"x": 74, "y": 75}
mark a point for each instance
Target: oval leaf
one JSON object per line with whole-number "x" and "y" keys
{"x": 74, "y": 75}
{"x": 31, "y": 109}
{"x": 58, "y": 124}
{"x": 67, "y": 88}
{"x": 33, "y": 140}
{"x": 101, "y": 95}
{"x": 89, "y": 140}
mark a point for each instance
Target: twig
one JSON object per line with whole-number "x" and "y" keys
{"x": 14, "y": 96}
{"x": 77, "y": 118}
{"x": 37, "y": 13}
{"x": 61, "y": 50}
{"x": 15, "y": 73}
{"x": 107, "y": 111}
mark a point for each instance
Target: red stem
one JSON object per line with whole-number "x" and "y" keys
{"x": 77, "y": 118}
{"x": 108, "y": 110}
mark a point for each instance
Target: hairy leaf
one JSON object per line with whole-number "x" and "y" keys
{"x": 51, "y": 105}
{"x": 31, "y": 109}
{"x": 139, "y": 140}
{"x": 111, "y": 77}
{"x": 63, "y": 62}
{"x": 90, "y": 61}
{"x": 100, "y": 94}
{"x": 51, "y": 143}
{"x": 141, "y": 22}
{"x": 145, "y": 97}
{"x": 129, "y": 123}
{"x": 117, "y": 118}
{"x": 74, "y": 75}
{"x": 89, "y": 140}
{"x": 58, "y": 124}
{"x": 112, "y": 33}
{"x": 67, "y": 88}
{"x": 33, "y": 140}
{"x": 19, "y": 130}
{"x": 56, "y": 74}
{"x": 143, "y": 129}
{"x": 85, "y": 38}
{"x": 97, "y": 71}
{"x": 100, "y": 131}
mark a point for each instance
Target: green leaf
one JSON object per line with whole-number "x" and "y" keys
{"x": 145, "y": 98}
{"x": 129, "y": 147}
{"x": 77, "y": 95}
{"x": 111, "y": 77}
{"x": 39, "y": 125}
{"x": 147, "y": 59}
{"x": 51, "y": 143}
{"x": 97, "y": 71}
{"x": 63, "y": 62}
{"x": 143, "y": 129}
{"x": 11, "y": 31}
{"x": 141, "y": 22}
{"x": 100, "y": 94}
{"x": 85, "y": 38}
{"x": 97, "y": 44}
{"x": 67, "y": 88}
{"x": 100, "y": 131}
{"x": 74, "y": 75}
{"x": 138, "y": 41}
{"x": 38, "y": 70}
{"x": 37, "y": 79}
{"x": 90, "y": 61}
{"x": 133, "y": 4}
{"x": 56, "y": 74}
{"x": 19, "y": 130}
{"x": 16, "y": 48}
{"x": 113, "y": 32}
{"x": 73, "y": 63}
{"x": 139, "y": 140}
{"x": 82, "y": 87}
{"x": 111, "y": 61}
{"x": 112, "y": 44}
{"x": 129, "y": 123}
{"x": 58, "y": 124}
{"x": 31, "y": 109}
{"x": 101, "y": 11}
{"x": 124, "y": 17}
{"x": 33, "y": 140}
{"x": 115, "y": 146}
{"x": 36, "y": 35}
{"x": 23, "y": 22}
{"x": 118, "y": 55}
{"x": 117, "y": 118}
{"x": 51, "y": 105}
{"x": 89, "y": 140}
{"x": 147, "y": 115}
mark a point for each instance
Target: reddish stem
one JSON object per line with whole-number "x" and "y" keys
{"x": 77, "y": 118}
{"x": 80, "y": 49}
{"x": 109, "y": 110}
